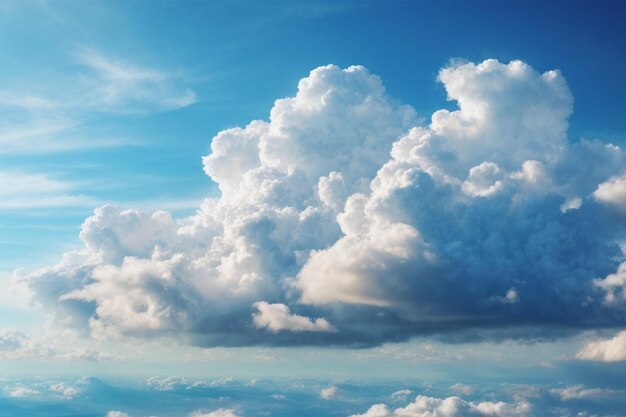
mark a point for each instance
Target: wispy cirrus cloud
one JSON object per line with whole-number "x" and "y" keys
{"x": 117, "y": 85}
{"x": 57, "y": 117}
{"x": 22, "y": 190}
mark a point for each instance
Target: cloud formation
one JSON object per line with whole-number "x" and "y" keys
{"x": 222, "y": 412}
{"x": 424, "y": 406}
{"x": 277, "y": 317}
{"x": 116, "y": 85}
{"x": 15, "y": 344}
{"x": 609, "y": 350}
{"x": 344, "y": 207}
{"x": 329, "y": 393}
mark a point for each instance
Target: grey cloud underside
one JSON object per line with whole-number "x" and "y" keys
{"x": 343, "y": 220}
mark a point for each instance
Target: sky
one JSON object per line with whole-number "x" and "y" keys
{"x": 364, "y": 208}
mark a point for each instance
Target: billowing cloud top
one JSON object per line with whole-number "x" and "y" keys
{"x": 344, "y": 220}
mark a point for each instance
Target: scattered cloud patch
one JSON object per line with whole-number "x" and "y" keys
{"x": 329, "y": 393}
{"x": 578, "y": 392}
{"x": 462, "y": 389}
{"x": 424, "y": 406}
{"x": 401, "y": 395}
{"x": 166, "y": 383}
{"x": 222, "y": 412}
{"x": 23, "y": 392}
{"x": 64, "y": 391}
{"x": 510, "y": 297}
{"x": 609, "y": 350}
{"x": 277, "y": 317}
{"x": 613, "y": 193}
{"x": 614, "y": 285}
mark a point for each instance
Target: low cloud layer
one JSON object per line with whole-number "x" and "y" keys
{"x": 424, "y": 406}
{"x": 345, "y": 220}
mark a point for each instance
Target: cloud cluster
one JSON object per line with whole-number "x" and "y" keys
{"x": 222, "y": 412}
{"x": 424, "y": 406}
{"x": 345, "y": 220}
{"x": 15, "y": 344}
{"x": 609, "y": 350}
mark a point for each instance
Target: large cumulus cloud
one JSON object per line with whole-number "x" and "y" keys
{"x": 345, "y": 219}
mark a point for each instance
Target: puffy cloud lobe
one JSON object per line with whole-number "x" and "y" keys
{"x": 64, "y": 391}
{"x": 613, "y": 193}
{"x": 343, "y": 208}
{"x": 277, "y": 317}
{"x": 24, "y": 392}
{"x": 610, "y": 350}
{"x": 424, "y": 406}
{"x": 614, "y": 285}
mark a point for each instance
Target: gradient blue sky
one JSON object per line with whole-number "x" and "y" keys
{"x": 117, "y": 103}
{"x": 238, "y": 57}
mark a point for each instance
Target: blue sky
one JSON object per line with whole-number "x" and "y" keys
{"x": 409, "y": 191}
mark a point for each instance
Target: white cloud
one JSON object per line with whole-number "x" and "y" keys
{"x": 222, "y": 412}
{"x": 15, "y": 344}
{"x": 578, "y": 392}
{"x": 329, "y": 393}
{"x": 614, "y": 285}
{"x": 64, "y": 391}
{"x": 401, "y": 394}
{"x": 166, "y": 383}
{"x": 613, "y": 193}
{"x": 610, "y": 350}
{"x": 277, "y": 317}
{"x": 23, "y": 392}
{"x": 115, "y": 413}
{"x": 424, "y": 406}
{"x": 483, "y": 180}
{"x": 511, "y": 297}
{"x": 343, "y": 208}
{"x": 462, "y": 389}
